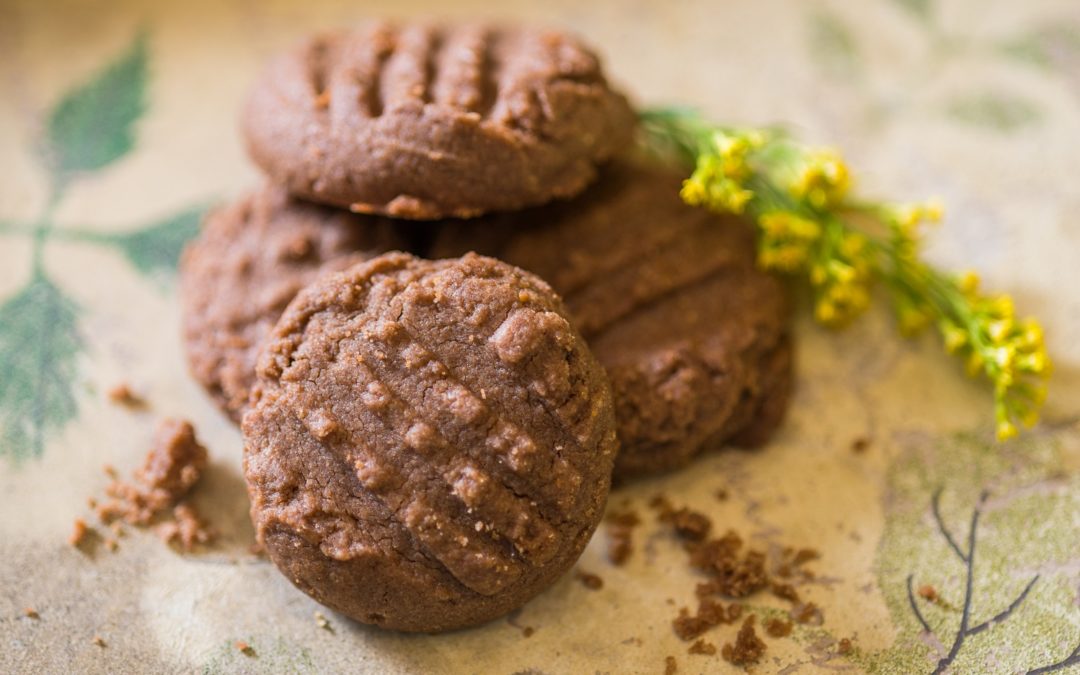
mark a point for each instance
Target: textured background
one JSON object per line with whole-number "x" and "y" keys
{"x": 977, "y": 102}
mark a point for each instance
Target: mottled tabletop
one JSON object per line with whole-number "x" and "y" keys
{"x": 118, "y": 130}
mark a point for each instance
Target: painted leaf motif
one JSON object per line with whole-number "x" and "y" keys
{"x": 1026, "y": 536}
{"x": 832, "y": 44}
{"x": 156, "y": 249}
{"x": 920, "y": 8}
{"x": 93, "y": 124}
{"x": 39, "y": 343}
{"x": 995, "y": 111}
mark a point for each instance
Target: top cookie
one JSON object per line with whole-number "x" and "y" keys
{"x": 426, "y": 122}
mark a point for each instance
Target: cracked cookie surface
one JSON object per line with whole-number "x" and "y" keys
{"x": 430, "y": 442}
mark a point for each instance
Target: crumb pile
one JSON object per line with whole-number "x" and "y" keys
{"x": 157, "y": 493}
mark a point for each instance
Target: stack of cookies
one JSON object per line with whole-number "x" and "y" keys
{"x": 456, "y": 310}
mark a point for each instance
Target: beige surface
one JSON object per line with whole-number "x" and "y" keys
{"x": 947, "y": 103}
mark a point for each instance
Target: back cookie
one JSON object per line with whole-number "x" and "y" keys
{"x": 423, "y": 122}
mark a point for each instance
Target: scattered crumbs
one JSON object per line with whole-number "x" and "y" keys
{"x": 157, "y": 491}
{"x": 99, "y": 641}
{"x": 710, "y": 614}
{"x": 689, "y": 525}
{"x": 78, "y": 533}
{"x": 721, "y": 495}
{"x": 748, "y": 647}
{"x": 807, "y": 613}
{"x": 527, "y": 631}
{"x": 671, "y": 666}
{"x": 702, "y": 647}
{"x": 31, "y": 613}
{"x": 186, "y": 529}
{"x": 844, "y": 647}
{"x": 620, "y": 532}
{"x": 733, "y": 573}
{"x": 670, "y": 601}
{"x": 590, "y": 581}
{"x": 860, "y": 445}
{"x": 244, "y": 648}
{"x": 778, "y": 628}
{"x": 928, "y": 592}
{"x": 785, "y": 592}
{"x": 321, "y": 622}
{"x": 122, "y": 394}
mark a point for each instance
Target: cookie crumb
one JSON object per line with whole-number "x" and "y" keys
{"x": 321, "y": 622}
{"x": 78, "y": 533}
{"x": 721, "y": 495}
{"x": 590, "y": 581}
{"x": 689, "y": 525}
{"x": 99, "y": 641}
{"x": 785, "y": 592}
{"x": 778, "y": 628}
{"x": 122, "y": 394}
{"x": 671, "y": 666}
{"x": 844, "y": 647}
{"x": 805, "y": 555}
{"x": 244, "y": 648}
{"x": 527, "y": 631}
{"x": 620, "y": 532}
{"x": 710, "y": 614}
{"x": 109, "y": 470}
{"x": 111, "y": 544}
{"x": 928, "y": 592}
{"x": 860, "y": 445}
{"x": 807, "y": 613}
{"x": 31, "y": 613}
{"x": 172, "y": 467}
{"x": 748, "y": 647}
{"x": 186, "y": 529}
{"x": 702, "y": 647}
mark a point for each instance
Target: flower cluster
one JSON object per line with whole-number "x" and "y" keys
{"x": 1010, "y": 352}
{"x": 809, "y": 226}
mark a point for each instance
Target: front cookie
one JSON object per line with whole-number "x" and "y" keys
{"x": 430, "y": 443}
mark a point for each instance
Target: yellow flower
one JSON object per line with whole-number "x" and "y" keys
{"x": 1006, "y": 429}
{"x": 823, "y": 179}
{"x": 969, "y": 283}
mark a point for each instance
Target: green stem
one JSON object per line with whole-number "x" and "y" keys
{"x": 44, "y": 227}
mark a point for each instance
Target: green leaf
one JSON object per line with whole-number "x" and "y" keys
{"x": 156, "y": 249}
{"x": 1054, "y": 46}
{"x": 833, "y": 45}
{"x": 39, "y": 343}
{"x": 999, "y": 112}
{"x": 93, "y": 124}
{"x": 921, "y": 9}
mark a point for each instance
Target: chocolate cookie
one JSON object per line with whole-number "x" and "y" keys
{"x": 424, "y": 122}
{"x": 430, "y": 442}
{"x": 693, "y": 336}
{"x": 250, "y": 260}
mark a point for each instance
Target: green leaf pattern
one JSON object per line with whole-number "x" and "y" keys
{"x": 91, "y": 127}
